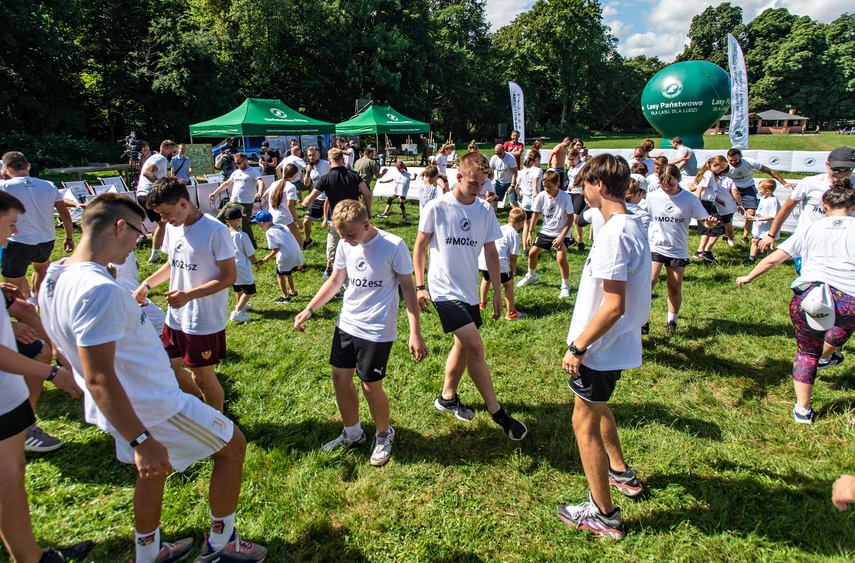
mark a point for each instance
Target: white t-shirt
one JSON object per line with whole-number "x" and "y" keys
{"x": 827, "y": 250}
{"x": 652, "y": 182}
{"x": 642, "y": 181}
{"x": 426, "y": 194}
{"x": 743, "y": 176}
{"x": 82, "y": 307}
{"x": 402, "y": 184}
{"x": 295, "y": 160}
{"x": 282, "y": 215}
{"x": 243, "y": 250}
{"x": 441, "y": 162}
{"x": 669, "y": 222}
{"x": 724, "y": 193}
{"x": 39, "y": 198}
{"x": 290, "y": 255}
{"x": 554, "y": 212}
{"x": 348, "y": 156}
{"x": 160, "y": 163}
{"x": 620, "y": 253}
{"x": 128, "y": 274}
{"x": 320, "y": 169}
{"x": 641, "y": 213}
{"x": 370, "y": 308}
{"x": 503, "y": 167}
{"x": 245, "y": 186}
{"x": 13, "y": 388}
{"x": 459, "y": 232}
{"x": 707, "y": 187}
{"x": 809, "y": 194}
{"x": 526, "y": 179}
{"x": 486, "y": 188}
{"x": 766, "y": 207}
{"x": 193, "y": 254}
{"x": 572, "y": 172}
{"x": 507, "y": 246}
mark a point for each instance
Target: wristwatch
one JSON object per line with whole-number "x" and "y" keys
{"x": 575, "y": 351}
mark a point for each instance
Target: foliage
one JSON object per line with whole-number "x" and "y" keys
{"x": 708, "y": 34}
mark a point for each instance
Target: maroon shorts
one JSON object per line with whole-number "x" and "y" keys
{"x": 196, "y": 350}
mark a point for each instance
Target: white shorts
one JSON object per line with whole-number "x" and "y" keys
{"x": 197, "y": 431}
{"x": 155, "y": 315}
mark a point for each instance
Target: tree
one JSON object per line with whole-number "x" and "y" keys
{"x": 841, "y": 53}
{"x": 708, "y": 34}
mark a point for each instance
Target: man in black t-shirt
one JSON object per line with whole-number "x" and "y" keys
{"x": 267, "y": 160}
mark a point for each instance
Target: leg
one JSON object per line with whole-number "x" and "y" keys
{"x": 508, "y": 288}
{"x": 16, "y": 528}
{"x": 245, "y": 225}
{"x": 454, "y": 367}
{"x": 809, "y": 348}
{"x": 728, "y": 230}
{"x": 295, "y": 230}
{"x": 747, "y": 229}
{"x": 34, "y": 384}
{"x": 148, "y": 502}
{"x": 702, "y": 246}
{"x": 710, "y": 243}
{"x": 157, "y": 237}
{"x": 378, "y": 404}
{"x": 307, "y": 228}
{"x": 654, "y": 278}
{"x": 753, "y": 251}
{"x": 290, "y": 279}
{"x": 675, "y": 288}
{"x": 533, "y": 255}
{"x": 226, "y": 476}
{"x": 472, "y": 353}
{"x": 184, "y": 377}
{"x": 561, "y": 258}
{"x": 206, "y": 380}
{"x": 39, "y": 271}
{"x": 242, "y": 300}
{"x": 587, "y": 420}
{"x": 346, "y": 395}
{"x": 611, "y": 441}
{"x": 280, "y": 281}
{"x": 485, "y": 285}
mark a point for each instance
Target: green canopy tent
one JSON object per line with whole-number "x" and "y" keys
{"x": 257, "y": 116}
{"x": 381, "y": 120}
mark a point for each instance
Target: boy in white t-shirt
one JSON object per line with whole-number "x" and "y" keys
{"x": 244, "y": 261}
{"x": 402, "y": 186}
{"x": 556, "y": 207}
{"x": 507, "y": 247}
{"x": 200, "y": 269}
{"x": 603, "y": 340}
{"x": 456, "y": 226}
{"x": 761, "y": 220}
{"x": 377, "y": 264}
{"x": 129, "y": 390}
{"x": 287, "y": 252}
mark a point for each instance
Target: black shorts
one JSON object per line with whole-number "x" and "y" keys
{"x": 563, "y": 179}
{"x": 505, "y": 277}
{"x": 153, "y": 216}
{"x": 17, "y": 257}
{"x": 668, "y": 261}
{"x": 16, "y": 420}
{"x": 369, "y": 358}
{"x": 545, "y": 242}
{"x": 31, "y": 350}
{"x": 749, "y": 197}
{"x": 716, "y": 231}
{"x": 579, "y": 204}
{"x": 594, "y": 386}
{"x": 456, "y": 314}
{"x": 316, "y": 211}
{"x": 726, "y": 219}
{"x": 249, "y": 289}
{"x": 285, "y": 272}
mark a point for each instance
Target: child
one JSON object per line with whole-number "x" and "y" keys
{"x": 705, "y": 187}
{"x": 574, "y": 165}
{"x": 556, "y": 206}
{"x": 456, "y": 226}
{"x": 244, "y": 254}
{"x": 282, "y": 198}
{"x": 529, "y": 181}
{"x": 659, "y": 163}
{"x": 429, "y": 189}
{"x": 283, "y": 246}
{"x": 402, "y": 186}
{"x": 377, "y": 263}
{"x": 767, "y": 209}
{"x": 507, "y": 247}
{"x": 634, "y": 202}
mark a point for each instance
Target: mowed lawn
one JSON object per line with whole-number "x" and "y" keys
{"x": 706, "y": 422}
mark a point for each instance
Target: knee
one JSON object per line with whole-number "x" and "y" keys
{"x": 235, "y": 449}
{"x": 12, "y": 472}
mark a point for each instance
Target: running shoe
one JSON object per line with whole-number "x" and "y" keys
{"x": 75, "y": 552}
{"x": 292, "y": 294}
{"x": 835, "y": 360}
{"x": 247, "y": 307}
{"x": 586, "y": 516}
{"x": 340, "y": 294}
{"x": 564, "y": 293}
{"x": 708, "y": 256}
{"x": 515, "y": 429}
{"x": 172, "y": 552}
{"x": 239, "y": 317}
{"x": 699, "y": 255}
{"x": 236, "y": 551}
{"x": 645, "y": 328}
{"x": 626, "y": 482}
{"x": 382, "y": 215}
{"x": 730, "y": 242}
{"x": 517, "y": 315}
{"x": 528, "y": 280}
{"x": 580, "y": 247}
{"x": 804, "y": 418}
{"x": 282, "y": 299}
{"x": 307, "y": 243}
{"x": 343, "y": 441}
{"x": 744, "y": 240}
{"x": 382, "y": 448}
{"x": 455, "y": 407}
{"x": 749, "y": 261}
{"x": 671, "y": 327}
{"x": 37, "y": 440}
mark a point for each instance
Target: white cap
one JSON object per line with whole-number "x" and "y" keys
{"x": 818, "y": 306}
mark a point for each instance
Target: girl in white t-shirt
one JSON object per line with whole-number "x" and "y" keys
{"x": 529, "y": 181}
{"x": 282, "y": 198}
{"x": 705, "y": 187}
{"x": 429, "y": 189}
{"x": 402, "y": 186}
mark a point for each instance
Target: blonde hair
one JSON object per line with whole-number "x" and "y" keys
{"x": 767, "y": 184}
{"x": 707, "y": 167}
{"x": 517, "y": 215}
{"x": 347, "y": 213}
{"x": 550, "y": 177}
{"x": 335, "y": 154}
{"x": 473, "y": 162}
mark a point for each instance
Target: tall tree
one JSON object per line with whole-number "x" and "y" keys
{"x": 708, "y": 34}
{"x": 841, "y": 54}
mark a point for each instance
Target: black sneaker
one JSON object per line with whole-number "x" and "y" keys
{"x": 708, "y": 256}
{"x": 307, "y": 243}
{"x": 804, "y": 418}
{"x": 515, "y": 429}
{"x": 698, "y": 255}
{"x": 671, "y": 327}
{"x": 580, "y": 247}
{"x": 67, "y": 554}
{"x": 749, "y": 261}
{"x": 835, "y": 360}
{"x": 282, "y": 299}
{"x": 455, "y": 407}
{"x": 645, "y": 328}
{"x": 744, "y": 240}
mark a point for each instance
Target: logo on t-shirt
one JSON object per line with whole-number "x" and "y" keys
{"x": 142, "y": 317}
{"x": 837, "y": 223}
{"x": 361, "y": 264}
{"x": 669, "y": 208}
{"x": 465, "y": 224}
{"x": 49, "y": 286}
{"x": 179, "y": 246}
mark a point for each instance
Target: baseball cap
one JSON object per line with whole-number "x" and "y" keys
{"x": 842, "y": 157}
{"x": 234, "y": 213}
{"x": 262, "y": 217}
{"x": 265, "y": 144}
{"x": 818, "y": 306}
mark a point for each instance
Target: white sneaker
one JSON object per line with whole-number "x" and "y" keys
{"x": 382, "y": 448}
{"x": 239, "y": 317}
{"x": 565, "y": 293}
{"x": 247, "y": 307}
{"x": 341, "y": 441}
{"x": 528, "y": 280}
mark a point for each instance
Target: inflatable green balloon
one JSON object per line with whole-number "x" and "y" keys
{"x": 685, "y": 99}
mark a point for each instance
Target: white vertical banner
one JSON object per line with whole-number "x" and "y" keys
{"x": 518, "y": 109}
{"x": 738, "y": 94}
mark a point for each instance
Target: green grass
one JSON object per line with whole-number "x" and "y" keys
{"x": 706, "y": 422}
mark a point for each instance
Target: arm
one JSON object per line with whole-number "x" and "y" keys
{"x": 417, "y": 347}
{"x": 777, "y": 177}
{"x": 269, "y": 256}
{"x": 769, "y": 240}
{"x": 327, "y": 214}
{"x": 611, "y": 309}
{"x": 13, "y": 362}
{"x": 62, "y": 209}
{"x": 366, "y": 196}
{"x": 419, "y": 259}
{"x": 326, "y": 292}
{"x": 775, "y": 259}
{"x": 157, "y": 278}
{"x": 225, "y": 278}
{"x": 292, "y": 208}
{"x": 559, "y": 240}
{"x": 514, "y": 172}
{"x": 313, "y": 195}
{"x": 532, "y": 223}
{"x": 150, "y": 173}
{"x": 491, "y": 255}
{"x": 260, "y": 184}
{"x": 222, "y": 187}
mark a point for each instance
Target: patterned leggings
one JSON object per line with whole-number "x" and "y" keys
{"x": 810, "y": 341}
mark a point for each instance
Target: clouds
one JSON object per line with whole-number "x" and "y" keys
{"x": 502, "y": 12}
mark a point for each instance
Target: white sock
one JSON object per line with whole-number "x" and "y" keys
{"x": 147, "y": 545}
{"x": 155, "y": 253}
{"x": 565, "y": 282}
{"x": 531, "y": 272}
{"x": 353, "y": 432}
{"x": 801, "y": 411}
{"x": 222, "y": 529}
{"x": 672, "y": 317}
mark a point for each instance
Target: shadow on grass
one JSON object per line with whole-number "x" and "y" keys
{"x": 92, "y": 461}
{"x": 641, "y": 414}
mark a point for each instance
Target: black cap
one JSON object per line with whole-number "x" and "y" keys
{"x": 842, "y": 157}
{"x": 234, "y": 213}
{"x": 265, "y": 144}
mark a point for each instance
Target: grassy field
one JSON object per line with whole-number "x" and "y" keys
{"x": 706, "y": 422}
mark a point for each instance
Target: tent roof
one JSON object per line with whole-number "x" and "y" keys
{"x": 257, "y": 116}
{"x": 381, "y": 120}
{"x": 771, "y": 115}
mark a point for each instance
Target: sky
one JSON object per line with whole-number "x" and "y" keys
{"x": 632, "y": 21}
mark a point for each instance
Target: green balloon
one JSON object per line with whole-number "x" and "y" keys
{"x": 685, "y": 99}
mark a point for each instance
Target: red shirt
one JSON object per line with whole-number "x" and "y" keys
{"x": 511, "y": 146}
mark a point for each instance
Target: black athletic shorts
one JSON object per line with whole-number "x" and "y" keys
{"x": 151, "y": 214}
{"x": 579, "y": 205}
{"x": 16, "y": 420}
{"x": 726, "y": 219}
{"x": 505, "y": 277}
{"x": 456, "y": 314}
{"x": 594, "y": 386}
{"x": 668, "y": 261}
{"x": 249, "y": 289}
{"x": 31, "y": 350}
{"x": 17, "y": 257}
{"x": 316, "y": 211}
{"x": 716, "y": 231}
{"x": 369, "y": 358}
{"x": 285, "y": 272}
{"x": 545, "y": 242}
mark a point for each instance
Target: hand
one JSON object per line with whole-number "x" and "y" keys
{"x": 712, "y": 221}
{"x": 843, "y": 492}
{"x": 742, "y": 280}
{"x": 768, "y": 243}
{"x": 258, "y": 265}
{"x": 68, "y": 246}
{"x": 571, "y": 364}
{"x": 418, "y": 350}
{"x": 556, "y": 244}
{"x": 740, "y": 209}
{"x": 750, "y": 218}
{"x": 528, "y": 240}
{"x": 257, "y": 197}
{"x": 424, "y": 300}
{"x": 177, "y": 298}
{"x": 497, "y": 305}
{"x": 24, "y": 333}
{"x": 324, "y": 224}
{"x": 65, "y": 381}
{"x": 300, "y": 319}
{"x": 792, "y": 186}
{"x": 152, "y": 458}
{"x": 11, "y": 291}
{"x": 213, "y": 196}
{"x": 140, "y": 294}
